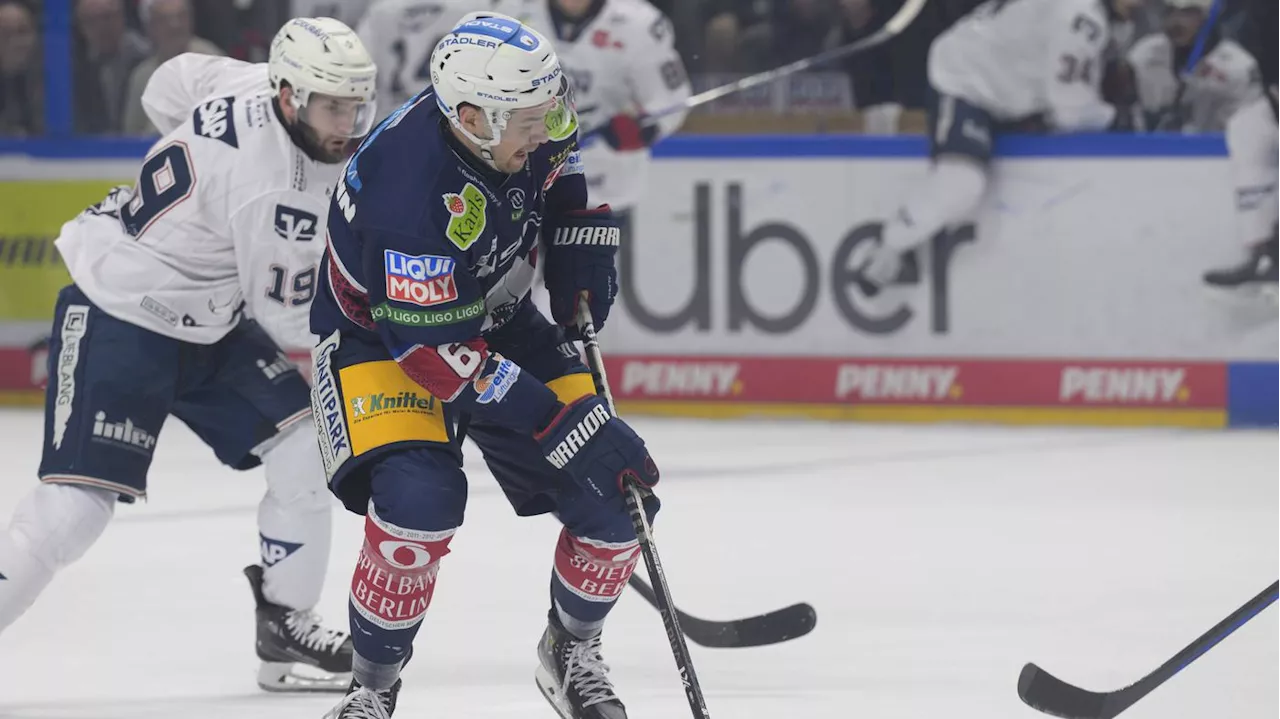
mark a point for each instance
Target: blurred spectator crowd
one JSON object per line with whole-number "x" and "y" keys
{"x": 117, "y": 44}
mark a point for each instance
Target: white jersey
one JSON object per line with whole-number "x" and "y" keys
{"x": 227, "y": 217}
{"x": 1019, "y": 58}
{"x": 622, "y": 60}
{"x": 400, "y": 35}
{"x": 1223, "y": 81}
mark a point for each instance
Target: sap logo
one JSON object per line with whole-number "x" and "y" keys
{"x": 295, "y": 225}
{"x": 214, "y": 120}
{"x": 274, "y": 550}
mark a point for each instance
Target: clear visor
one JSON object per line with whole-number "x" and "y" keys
{"x": 333, "y": 116}
{"x": 562, "y": 118}
{"x": 553, "y": 120}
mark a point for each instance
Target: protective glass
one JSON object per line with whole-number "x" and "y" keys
{"x": 338, "y": 116}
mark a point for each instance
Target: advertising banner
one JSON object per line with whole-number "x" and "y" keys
{"x": 1073, "y": 296}
{"x": 1023, "y": 391}
{"x": 1097, "y": 258}
{"x": 31, "y": 214}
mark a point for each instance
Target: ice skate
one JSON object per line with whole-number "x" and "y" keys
{"x": 572, "y": 675}
{"x": 1257, "y": 274}
{"x": 298, "y": 653}
{"x": 364, "y": 703}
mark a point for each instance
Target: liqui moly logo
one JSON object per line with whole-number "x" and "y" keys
{"x": 423, "y": 280}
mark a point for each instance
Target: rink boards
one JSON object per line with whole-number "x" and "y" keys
{"x": 1072, "y": 298}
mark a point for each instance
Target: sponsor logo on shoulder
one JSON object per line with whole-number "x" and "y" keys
{"x": 215, "y": 120}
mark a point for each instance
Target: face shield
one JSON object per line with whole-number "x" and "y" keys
{"x": 562, "y": 118}
{"x": 329, "y": 116}
{"x": 553, "y": 120}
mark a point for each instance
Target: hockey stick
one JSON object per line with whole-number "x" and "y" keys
{"x": 891, "y": 29}
{"x": 773, "y": 627}
{"x": 1041, "y": 690}
{"x": 644, "y": 533}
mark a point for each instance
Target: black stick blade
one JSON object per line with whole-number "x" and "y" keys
{"x": 777, "y": 626}
{"x": 773, "y": 627}
{"x": 1043, "y": 691}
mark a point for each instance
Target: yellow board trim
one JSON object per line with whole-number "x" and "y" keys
{"x": 21, "y": 398}
{"x": 1089, "y": 416}
{"x": 570, "y": 390}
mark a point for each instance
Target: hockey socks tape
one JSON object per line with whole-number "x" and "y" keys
{"x": 396, "y": 572}
{"x": 594, "y": 570}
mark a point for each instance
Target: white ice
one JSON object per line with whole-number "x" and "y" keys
{"x": 940, "y": 559}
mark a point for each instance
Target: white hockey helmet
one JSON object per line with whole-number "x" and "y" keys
{"x": 323, "y": 56}
{"x": 497, "y": 64}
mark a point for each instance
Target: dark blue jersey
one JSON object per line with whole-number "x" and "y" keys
{"x": 431, "y": 252}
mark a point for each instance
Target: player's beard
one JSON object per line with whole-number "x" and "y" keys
{"x": 329, "y": 152}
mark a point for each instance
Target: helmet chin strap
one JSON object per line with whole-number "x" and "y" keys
{"x": 486, "y": 144}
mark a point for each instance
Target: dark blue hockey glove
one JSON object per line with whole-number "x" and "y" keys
{"x": 600, "y": 451}
{"x": 580, "y": 258}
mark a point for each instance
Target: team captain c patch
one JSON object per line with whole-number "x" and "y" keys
{"x": 422, "y": 280}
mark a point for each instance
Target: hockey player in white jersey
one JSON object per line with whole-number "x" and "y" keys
{"x": 620, "y": 56}
{"x": 1008, "y": 63}
{"x": 185, "y": 287}
{"x": 1223, "y": 80}
{"x": 1254, "y": 154}
{"x": 401, "y": 34}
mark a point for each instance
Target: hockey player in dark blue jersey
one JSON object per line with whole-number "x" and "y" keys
{"x": 424, "y": 311}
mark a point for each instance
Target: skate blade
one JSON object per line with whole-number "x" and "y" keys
{"x": 1245, "y": 296}
{"x": 291, "y": 677}
{"x": 551, "y": 692}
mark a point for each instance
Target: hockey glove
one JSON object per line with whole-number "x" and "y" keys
{"x": 580, "y": 258}
{"x": 601, "y": 452}
{"x": 624, "y": 133}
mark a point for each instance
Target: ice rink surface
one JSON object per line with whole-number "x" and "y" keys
{"x": 940, "y": 559}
